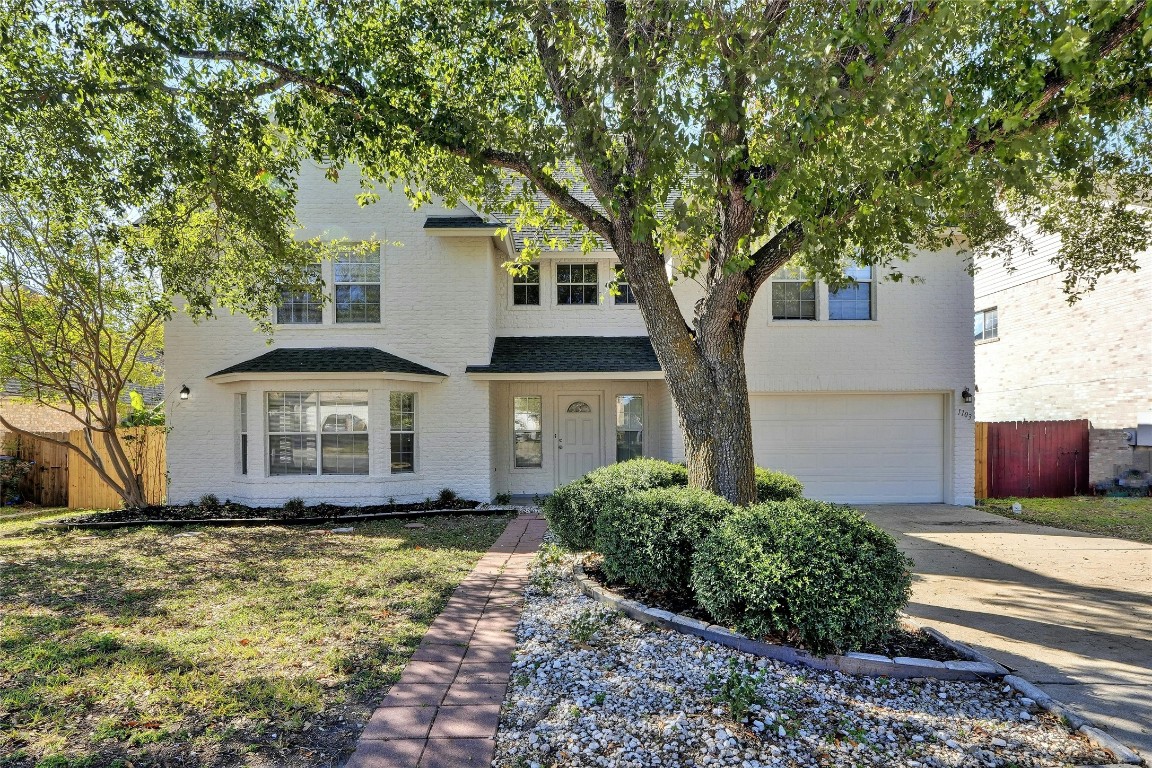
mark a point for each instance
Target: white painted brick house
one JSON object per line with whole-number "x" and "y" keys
{"x": 434, "y": 368}
{"x": 1039, "y": 358}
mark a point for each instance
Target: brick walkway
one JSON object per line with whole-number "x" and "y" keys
{"x": 444, "y": 710}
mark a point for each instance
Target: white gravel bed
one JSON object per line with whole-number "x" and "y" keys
{"x": 593, "y": 688}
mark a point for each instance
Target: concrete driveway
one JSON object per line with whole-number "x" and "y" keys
{"x": 1069, "y": 611}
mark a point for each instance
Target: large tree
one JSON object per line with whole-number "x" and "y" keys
{"x": 727, "y": 137}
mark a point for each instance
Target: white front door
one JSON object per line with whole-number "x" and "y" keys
{"x": 578, "y": 445}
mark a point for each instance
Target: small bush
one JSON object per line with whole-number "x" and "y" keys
{"x": 647, "y": 537}
{"x": 816, "y": 569}
{"x": 295, "y": 507}
{"x": 447, "y": 496}
{"x": 572, "y": 509}
{"x": 210, "y": 501}
{"x": 776, "y": 486}
{"x": 502, "y": 499}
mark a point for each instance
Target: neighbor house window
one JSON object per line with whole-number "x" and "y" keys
{"x": 793, "y": 295}
{"x": 356, "y": 276}
{"x": 986, "y": 325}
{"x": 317, "y": 432}
{"x": 402, "y": 414}
{"x": 303, "y": 307}
{"x": 624, "y": 293}
{"x": 528, "y": 446}
{"x": 853, "y": 301}
{"x": 526, "y": 287}
{"x": 629, "y": 427}
{"x": 242, "y": 415}
{"x": 576, "y": 284}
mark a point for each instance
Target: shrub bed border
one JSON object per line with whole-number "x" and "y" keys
{"x": 240, "y": 522}
{"x": 977, "y": 666}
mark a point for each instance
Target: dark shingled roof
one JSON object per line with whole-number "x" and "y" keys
{"x": 328, "y": 360}
{"x": 459, "y": 222}
{"x": 570, "y": 354}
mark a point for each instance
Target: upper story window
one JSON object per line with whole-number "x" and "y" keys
{"x": 313, "y": 433}
{"x": 577, "y": 284}
{"x": 986, "y": 325}
{"x": 793, "y": 295}
{"x": 300, "y": 308}
{"x": 853, "y": 301}
{"x": 526, "y": 287}
{"x": 624, "y": 293}
{"x": 356, "y": 277}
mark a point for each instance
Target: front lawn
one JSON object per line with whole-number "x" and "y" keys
{"x": 1124, "y": 518}
{"x": 232, "y": 646}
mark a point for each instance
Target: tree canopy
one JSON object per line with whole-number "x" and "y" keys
{"x": 732, "y": 137}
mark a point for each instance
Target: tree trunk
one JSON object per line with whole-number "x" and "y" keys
{"x": 704, "y": 371}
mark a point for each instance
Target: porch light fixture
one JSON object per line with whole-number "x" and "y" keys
{"x": 966, "y": 395}
{"x": 184, "y": 392}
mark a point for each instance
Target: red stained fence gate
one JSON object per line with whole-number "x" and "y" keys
{"x": 1031, "y": 458}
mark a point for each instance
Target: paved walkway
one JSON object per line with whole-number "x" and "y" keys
{"x": 444, "y": 710}
{"x": 1069, "y": 611}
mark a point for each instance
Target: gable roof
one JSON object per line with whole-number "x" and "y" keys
{"x": 328, "y": 360}
{"x": 571, "y": 354}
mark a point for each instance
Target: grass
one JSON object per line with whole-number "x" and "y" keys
{"x": 1123, "y": 518}
{"x": 239, "y": 646}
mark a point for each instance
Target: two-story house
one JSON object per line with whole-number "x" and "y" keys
{"x": 1041, "y": 358}
{"x": 431, "y": 366}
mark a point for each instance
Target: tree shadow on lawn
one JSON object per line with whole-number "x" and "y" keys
{"x": 233, "y": 635}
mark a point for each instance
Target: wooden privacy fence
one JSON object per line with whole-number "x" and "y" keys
{"x": 61, "y": 479}
{"x": 1031, "y": 458}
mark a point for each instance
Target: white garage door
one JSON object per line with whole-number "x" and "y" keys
{"x": 854, "y": 448}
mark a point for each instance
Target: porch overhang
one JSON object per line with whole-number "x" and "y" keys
{"x": 334, "y": 363}
{"x": 541, "y": 358}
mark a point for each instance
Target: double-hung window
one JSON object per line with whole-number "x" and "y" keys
{"x": 402, "y": 415}
{"x": 313, "y": 433}
{"x": 528, "y": 443}
{"x": 624, "y": 293}
{"x": 526, "y": 287}
{"x": 356, "y": 276}
{"x": 577, "y": 284}
{"x": 853, "y": 301}
{"x": 629, "y": 427}
{"x": 301, "y": 308}
{"x": 793, "y": 295}
{"x": 986, "y": 325}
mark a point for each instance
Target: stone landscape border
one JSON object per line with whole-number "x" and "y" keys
{"x": 234, "y": 522}
{"x": 977, "y": 666}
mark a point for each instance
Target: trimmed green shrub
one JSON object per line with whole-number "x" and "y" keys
{"x": 776, "y": 486}
{"x": 647, "y": 537}
{"x": 807, "y": 567}
{"x": 572, "y": 509}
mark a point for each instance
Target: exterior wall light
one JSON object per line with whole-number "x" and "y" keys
{"x": 184, "y": 392}
{"x": 966, "y": 395}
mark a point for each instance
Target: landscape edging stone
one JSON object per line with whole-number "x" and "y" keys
{"x": 240, "y": 522}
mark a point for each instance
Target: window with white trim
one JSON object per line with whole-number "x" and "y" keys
{"x": 577, "y": 284}
{"x": 301, "y": 308}
{"x": 242, "y": 427}
{"x": 624, "y": 294}
{"x": 526, "y": 287}
{"x": 402, "y": 417}
{"x": 629, "y": 427}
{"x": 312, "y": 433}
{"x": 356, "y": 276}
{"x": 793, "y": 295}
{"x": 986, "y": 325}
{"x": 528, "y": 443}
{"x": 853, "y": 301}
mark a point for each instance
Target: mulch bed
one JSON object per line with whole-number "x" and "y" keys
{"x": 232, "y": 511}
{"x": 906, "y": 641}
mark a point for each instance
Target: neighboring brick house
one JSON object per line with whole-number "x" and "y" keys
{"x": 1039, "y": 358}
{"x": 435, "y": 368}
{"x": 26, "y": 415}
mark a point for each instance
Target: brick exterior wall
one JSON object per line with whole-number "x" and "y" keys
{"x": 446, "y": 298}
{"x": 32, "y": 416}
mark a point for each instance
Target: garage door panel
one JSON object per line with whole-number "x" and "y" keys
{"x": 854, "y": 448}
